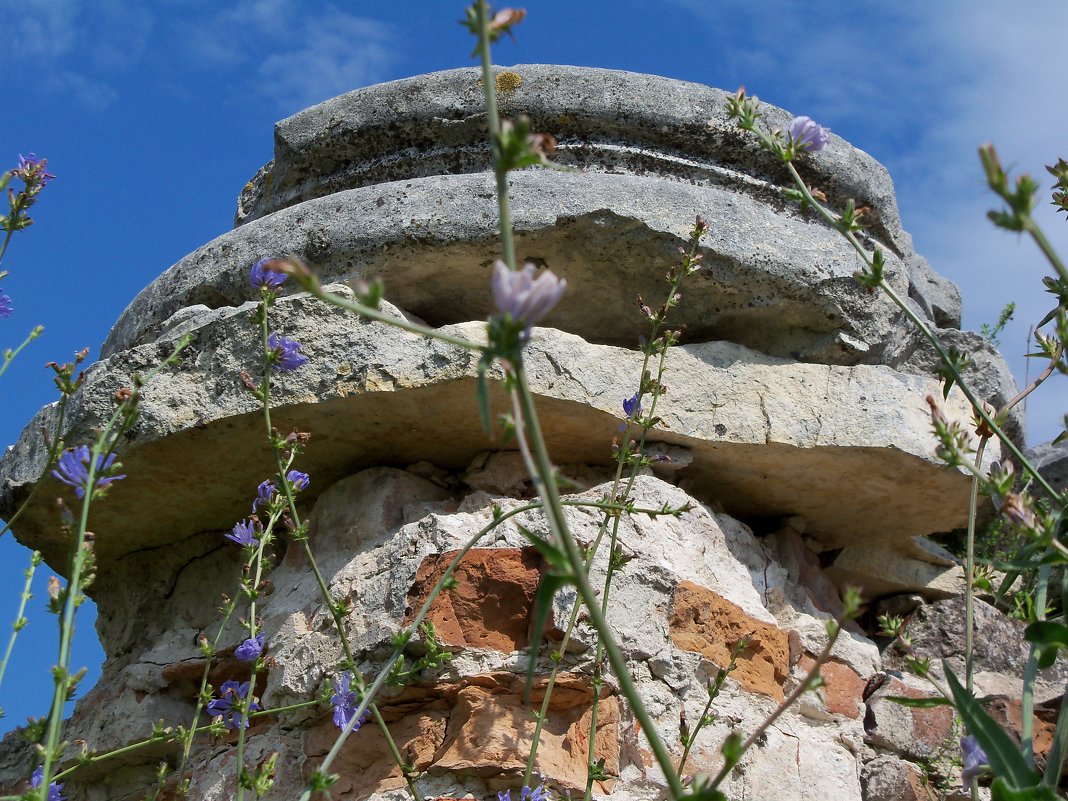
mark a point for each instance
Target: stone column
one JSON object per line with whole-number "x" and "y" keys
{"x": 795, "y": 425}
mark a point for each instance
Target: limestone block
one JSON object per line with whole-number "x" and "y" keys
{"x": 771, "y": 280}
{"x": 888, "y": 778}
{"x": 704, "y": 622}
{"x": 1052, "y": 462}
{"x": 492, "y": 603}
{"x": 915, "y": 733}
{"x": 842, "y": 692}
{"x": 603, "y": 120}
{"x": 937, "y": 631}
{"x": 987, "y": 373}
{"x": 880, "y": 570}
{"x": 768, "y": 436}
{"x": 1008, "y": 712}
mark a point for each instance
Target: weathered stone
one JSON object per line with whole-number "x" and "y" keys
{"x": 1008, "y": 712}
{"x": 491, "y": 604}
{"x": 1052, "y": 462}
{"x": 880, "y": 570}
{"x": 937, "y": 297}
{"x": 842, "y": 692}
{"x": 490, "y": 728}
{"x": 768, "y": 436}
{"x": 435, "y": 124}
{"x": 913, "y": 732}
{"x": 803, "y": 567}
{"x": 704, "y": 622}
{"x": 899, "y": 605}
{"x": 797, "y": 765}
{"x": 359, "y": 511}
{"x": 419, "y": 212}
{"x": 499, "y": 473}
{"x": 365, "y": 765}
{"x": 1000, "y": 652}
{"x": 768, "y": 417}
{"x": 887, "y": 778}
{"x": 987, "y": 373}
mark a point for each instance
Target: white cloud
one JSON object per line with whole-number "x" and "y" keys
{"x": 38, "y": 29}
{"x": 72, "y": 47}
{"x": 299, "y": 58}
{"x": 282, "y": 50}
{"x": 920, "y": 86}
{"x": 346, "y": 53}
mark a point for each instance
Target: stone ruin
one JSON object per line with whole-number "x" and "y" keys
{"x": 795, "y": 422}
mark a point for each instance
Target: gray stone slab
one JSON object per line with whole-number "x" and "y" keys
{"x": 771, "y": 280}
{"x": 768, "y": 436}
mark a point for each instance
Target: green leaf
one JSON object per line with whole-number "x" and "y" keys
{"x": 918, "y": 703}
{"x": 1048, "y": 637}
{"x": 732, "y": 749}
{"x": 1046, "y": 632}
{"x": 1001, "y": 791}
{"x": 482, "y": 390}
{"x": 1005, "y": 759}
{"x": 543, "y": 607}
{"x": 556, "y": 558}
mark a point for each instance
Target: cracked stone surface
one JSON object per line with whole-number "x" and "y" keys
{"x": 771, "y": 280}
{"x": 795, "y": 403}
{"x": 458, "y": 722}
{"x": 767, "y": 436}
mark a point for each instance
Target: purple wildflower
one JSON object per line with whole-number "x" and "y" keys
{"x": 974, "y": 759}
{"x": 32, "y": 171}
{"x": 539, "y": 793}
{"x": 5, "y": 304}
{"x": 806, "y": 135}
{"x": 250, "y": 649}
{"x": 264, "y": 495}
{"x": 244, "y": 533}
{"x": 517, "y": 293}
{"x": 54, "y": 788}
{"x": 230, "y": 695}
{"x": 73, "y": 469}
{"x": 286, "y": 352}
{"x": 345, "y": 703}
{"x": 632, "y": 407}
{"x": 298, "y": 479}
{"x": 263, "y": 277}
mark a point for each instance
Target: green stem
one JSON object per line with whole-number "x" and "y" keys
{"x": 9, "y": 355}
{"x": 92, "y": 759}
{"x": 1037, "y": 234}
{"x": 265, "y": 538}
{"x": 7, "y": 239}
{"x": 412, "y": 628}
{"x": 929, "y": 335}
{"x": 969, "y": 578}
{"x": 1027, "y": 697}
{"x": 324, "y": 590}
{"x": 546, "y": 485}
{"x": 310, "y": 284}
{"x": 787, "y": 702}
{"x": 20, "y": 619}
{"x": 611, "y": 516}
{"x": 119, "y": 422}
{"x": 489, "y": 88}
{"x": 187, "y": 743}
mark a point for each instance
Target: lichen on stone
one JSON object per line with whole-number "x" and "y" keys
{"x": 508, "y": 82}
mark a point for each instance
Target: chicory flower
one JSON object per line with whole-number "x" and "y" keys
{"x": 519, "y": 294}
{"x": 806, "y": 135}
{"x": 73, "y": 469}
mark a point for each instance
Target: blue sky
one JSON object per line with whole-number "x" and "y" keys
{"x": 154, "y": 115}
